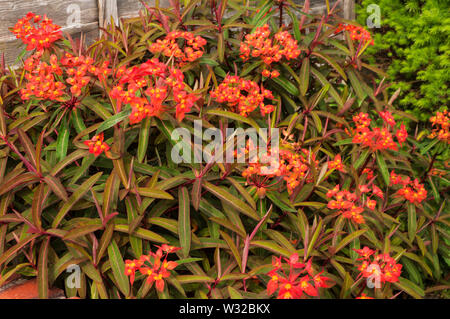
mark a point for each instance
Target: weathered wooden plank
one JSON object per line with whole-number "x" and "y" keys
{"x": 130, "y": 8}
{"x": 84, "y": 16}
{"x": 66, "y": 13}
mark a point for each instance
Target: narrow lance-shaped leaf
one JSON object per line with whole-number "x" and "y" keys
{"x": 184, "y": 221}
{"x": 62, "y": 142}
{"x": 43, "y": 269}
{"x": 80, "y": 192}
{"x": 118, "y": 268}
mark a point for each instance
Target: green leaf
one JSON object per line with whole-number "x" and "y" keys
{"x": 144, "y": 134}
{"x": 153, "y": 193}
{"x": 412, "y": 221}
{"x": 314, "y": 238}
{"x": 304, "y": 76}
{"x": 80, "y": 192}
{"x": 361, "y": 158}
{"x": 62, "y": 142}
{"x": 234, "y": 294}
{"x": 184, "y": 221}
{"x": 188, "y": 279}
{"x": 113, "y": 120}
{"x": 42, "y": 278}
{"x": 349, "y": 238}
{"x": 383, "y": 168}
{"x": 142, "y": 233}
{"x": 286, "y": 85}
{"x": 92, "y": 103}
{"x": 410, "y": 288}
{"x": 231, "y": 200}
{"x": 233, "y": 248}
{"x": 234, "y": 116}
{"x": 56, "y": 186}
{"x": 118, "y": 268}
{"x": 16, "y": 248}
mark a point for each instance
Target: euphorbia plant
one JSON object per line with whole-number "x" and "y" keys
{"x": 88, "y": 175}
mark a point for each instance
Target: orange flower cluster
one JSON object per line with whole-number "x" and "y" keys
{"x": 442, "y": 122}
{"x": 412, "y": 191}
{"x": 36, "y": 32}
{"x": 350, "y": 205}
{"x": 243, "y": 96}
{"x": 291, "y": 166}
{"x": 41, "y": 76}
{"x": 79, "y": 70}
{"x": 96, "y": 145}
{"x": 336, "y": 163}
{"x": 381, "y": 267}
{"x": 259, "y": 44}
{"x": 378, "y": 138}
{"x": 290, "y": 286}
{"x": 41, "y": 82}
{"x": 193, "y": 49}
{"x": 146, "y": 86}
{"x": 356, "y": 33}
{"x": 154, "y": 265}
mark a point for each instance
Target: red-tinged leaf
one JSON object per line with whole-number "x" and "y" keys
{"x": 234, "y": 116}
{"x": 16, "y": 248}
{"x": 383, "y": 168}
{"x": 227, "y": 224}
{"x": 272, "y": 247}
{"x": 233, "y": 248}
{"x": 62, "y": 142}
{"x": 196, "y": 193}
{"x": 231, "y": 200}
{"x": 18, "y": 182}
{"x": 234, "y": 294}
{"x": 104, "y": 241}
{"x": 81, "y": 231}
{"x": 153, "y": 193}
{"x": 96, "y": 107}
{"x": 57, "y": 187}
{"x": 40, "y": 193}
{"x": 332, "y": 63}
{"x": 79, "y": 193}
{"x": 27, "y": 146}
{"x": 92, "y": 272}
{"x": 410, "y": 288}
{"x": 304, "y": 76}
{"x": 243, "y": 192}
{"x": 412, "y": 221}
{"x": 314, "y": 238}
{"x": 118, "y": 268}
{"x": 142, "y": 233}
{"x": 356, "y": 84}
{"x": 345, "y": 241}
{"x": 188, "y": 279}
{"x": 110, "y": 193}
{"x": 144, "y": 134}
{"x": 332, "y": 91}
{"x": 7, "y": 275}
{"x": 42, "y": 278}
{"x": 119, "y": 167}
{"x": 184, "y": 221}
{"x": 72, "y": 157}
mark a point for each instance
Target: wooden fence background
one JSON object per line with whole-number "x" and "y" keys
{"x": 85, "y": 16}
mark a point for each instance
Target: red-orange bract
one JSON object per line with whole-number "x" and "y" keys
{"x": 154, "y": 266}
{"x": 299, "y": 282}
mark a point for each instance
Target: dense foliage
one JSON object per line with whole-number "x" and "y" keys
{"x": 355, "y": 208}
{"x": 413, "y": 44}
